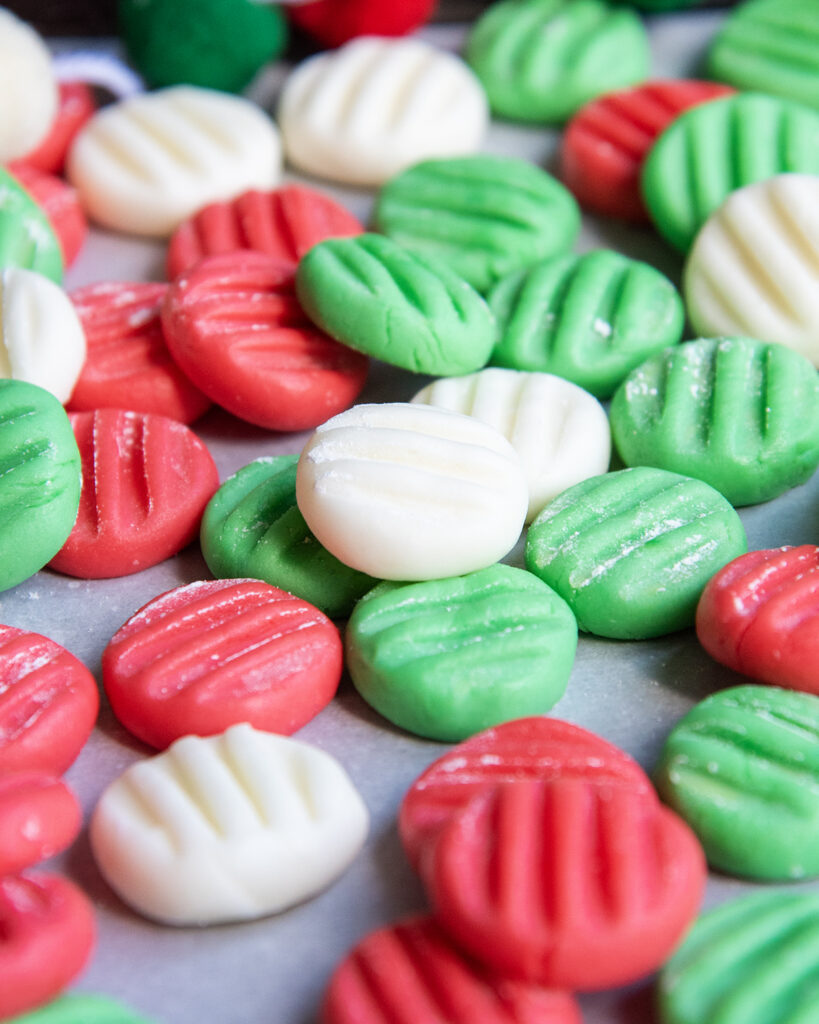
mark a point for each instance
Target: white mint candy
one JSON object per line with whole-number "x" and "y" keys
{"x": 560, "y": 431}
{"x": 144, "y": 164}
{"x": 41, "y": 337}
{"x": 411, "y": 492}
{"x": 227, "y": 828}
{"x": 364, "y": 112}
{"x": 28, "y": 88}
{"x": 754, "y": 267}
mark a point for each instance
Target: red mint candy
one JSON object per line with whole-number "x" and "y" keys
{"x": 284, "y": 223}
{"x": 46, "y": 937}
{"x": 145, "y": 483}
{"x": 577, "y": 884}
{"x": 235, "y": 327}
{"x": 759, "y": 615}
{"x": 61, "y": 205}
{"x": 48, "y": 703}
{"x": 39, "y": 816}
{"x": 607, "y": 141}
{"x": 412, "y": 972}
{"x": 205, "y": 656}
{"x": 76, "y": 104}
{"x": 333, "y": 22}
{"x": 526, "y": 748}
{"x": 127, "y": 364}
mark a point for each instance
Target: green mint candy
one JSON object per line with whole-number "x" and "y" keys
{"x": 742, "y": 768}
{"x": 588, "y": 318}
{"x": 631, "y": 551}
{"x": 39, "y": 480}
{"x": 27, "y": 239}
{"x": 715, "y": 148}
{"x": 448, "y": 658}
{"x": 771, "y": 46}
{"x": 374, "y": 295}
{"x": 540, "y": 60}
{"x": 483, "y": 216}
{"x": 252, "y": 527}
{"x": 81, "y": 1009}
{"x": 740, "y": 414}
{"x": 750, "y": 961}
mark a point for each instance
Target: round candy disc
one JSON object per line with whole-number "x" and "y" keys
{"x": 234, "y": 325}
{"x": 146, "y": 481}
{"x": 60, "y": 204}
{"x": 75, "y": 104}
{"x": 447, "y": 658}
{"x": 27, "y": 81}
{"x": 27, "y": 238}
{"x": 46, "y": 937}
{"x": 207, "y": 655}
{"x": 39, "y": 816}
{"x": 48, "y": 703}
{"x": 334, "y": 22}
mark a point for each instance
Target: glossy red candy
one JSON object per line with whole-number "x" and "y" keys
{"x": 284, "y": 223}
{"x": 60, "y": 203}
{"x": 48, "y": 703}
{"x": 205, "y": 656}
{"x": 46, "y": 937}
{"x": 412, "y": 972}
{"x": 333, "y": 22}
{"x": 235, "y": 327}
{"x": 128, "y": 365}
{"x": 75, "y": 105}
{"x": 145, "y": 483}
{"x": 39, "y": 816}
{"x": 525, "y": 748}
{"x": 577, "y": 884}
{"x": 607, "y": 141}
{"x": 760, "y": 616}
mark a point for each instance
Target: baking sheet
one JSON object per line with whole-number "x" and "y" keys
{"x": 274, "y": 970}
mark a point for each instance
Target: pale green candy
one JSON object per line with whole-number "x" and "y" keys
{"x": 252, "y": 527}
{"x": 630, "y": 552}
{"x": 589, "y": 318}
{"x": 483, "y": 216}
{"x": 81, "y": 1009}
{"x": 541, "y": 60}
{"x": 742, "y": 768}
{"x": 448, "y": 658}
{"x": 751, "y": 961}
{"x": 374, "y": 295}
{"x": 27, "y": 239}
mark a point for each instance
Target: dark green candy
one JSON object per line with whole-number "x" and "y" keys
{"x": 374, "y": 295}
{"x": 483, "y": 216}
{"x": 771, "y": 46}
{"x": 540, "y": 60}
{"x": 81, "y": 1009}
{"x": 450, "y": 657}
{"x": 751, "y": 961}
{"x": 631, "y": 551}
{"x": 27, "y": 239}
{"x": 252, "y": 527}
{"x": 740, "y": 414}
{"x": 588, "y": 318}
{"x": 742, "y": 768}
{"x": 715, "y": 148}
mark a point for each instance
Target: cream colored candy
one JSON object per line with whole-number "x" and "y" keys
{"x": 146, "y": 163}
{"x": 28, "y": 88}
{"x": 560, "y": 431}
{"x": 367, "y": 110}
{"x": 754, "y": 267}
{"x": 227, "y": 828}
{"x": 41, "y": 337}
{"x": 411, "y": 492}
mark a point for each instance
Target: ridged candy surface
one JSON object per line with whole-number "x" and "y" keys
{"x": 739, "y": 414}
{"x": 539, "y": 60}
{"x": 450, "y": 657}
{"x": 750, "y": 960}
{"x": 589, "y": 318}
{"x": 632, "y": 550}
{"x": 567, "y": 883}
{"x": 26, "y": 238}
{"x": 716, "y": 148}
{"x": 754, "y": 267}
{"x": 483, "y": 216}
{"x": 742, "y": 768}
